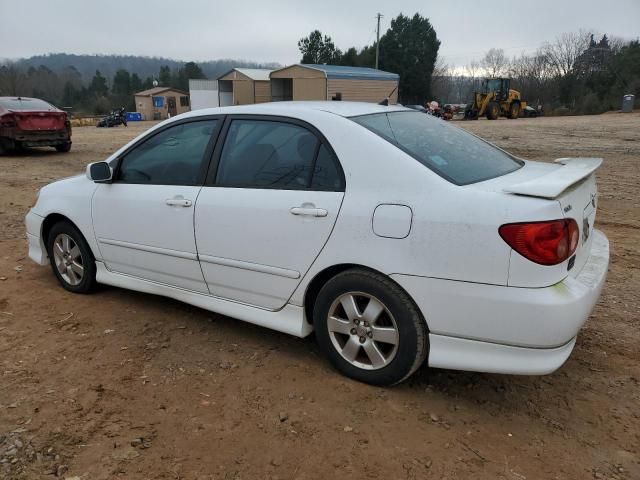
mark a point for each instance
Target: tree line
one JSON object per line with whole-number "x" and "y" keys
{"x": 98, "y": 91}
{"x": 576, "y": 73}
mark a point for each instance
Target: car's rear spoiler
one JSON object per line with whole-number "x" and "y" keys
{"x": 552, "y": 184}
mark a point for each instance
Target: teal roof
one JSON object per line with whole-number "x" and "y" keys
{"x": 352, "y": 73}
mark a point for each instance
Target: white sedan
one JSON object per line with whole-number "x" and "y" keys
{"x": 396, "y": 236}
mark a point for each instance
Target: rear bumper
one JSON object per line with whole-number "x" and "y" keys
{"x": 536, "y": 324}
{"x": 472, "y": 355}
{"x": 39, "y": 138}
{"x": 37, "y": 249}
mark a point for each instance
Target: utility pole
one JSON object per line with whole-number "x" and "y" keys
{"x": 378, "y": 39}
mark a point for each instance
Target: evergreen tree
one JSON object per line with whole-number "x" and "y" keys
{"x": 317, "y": 48}
{"x": 121, "y": 83}
{"x": 164, "y": 78}
{"x": 410, "y": 49}
{"x": 98, "y": 86}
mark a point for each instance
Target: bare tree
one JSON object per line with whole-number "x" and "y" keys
{"x": 441, "y": 79}
{"x": 495, "y": 63}
{"x": 562, "y": 53}
{"x": 472, "y": 71}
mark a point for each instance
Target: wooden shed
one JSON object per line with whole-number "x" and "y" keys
{"x": 158, "y": 103}
{"x": 333, "y": 82}
{"x": 242, "y": 86}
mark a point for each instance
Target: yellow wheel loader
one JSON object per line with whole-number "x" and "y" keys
{"x": 496, "y": 99}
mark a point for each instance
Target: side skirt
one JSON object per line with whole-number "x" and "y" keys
{"x": 289, "y": 319}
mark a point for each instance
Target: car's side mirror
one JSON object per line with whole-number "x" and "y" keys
{"x": 99, "y": 172}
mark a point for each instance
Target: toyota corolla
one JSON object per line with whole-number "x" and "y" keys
{"x": 393, "y": 235}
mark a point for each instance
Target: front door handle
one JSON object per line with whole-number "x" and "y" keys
{"x": 178, "y": 202}
{"x": 309, "y": 211}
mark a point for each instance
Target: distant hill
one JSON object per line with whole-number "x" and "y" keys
{"x": 143, "y": 66}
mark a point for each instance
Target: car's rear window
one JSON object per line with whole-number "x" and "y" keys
{"x": 451, "y": 152}
{"x": 25, "y": 104}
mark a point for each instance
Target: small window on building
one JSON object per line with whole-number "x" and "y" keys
{"x": 158, "y": 102}
{"x": 184, "y": 101}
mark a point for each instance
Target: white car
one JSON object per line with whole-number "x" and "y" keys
{"x": 396, "y": 236}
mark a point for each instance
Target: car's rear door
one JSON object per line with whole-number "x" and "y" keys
{"x": 143, "y": 221}
{"x": 268, "y": 208}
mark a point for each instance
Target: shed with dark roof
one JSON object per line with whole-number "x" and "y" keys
{"x": 333, "y": 82}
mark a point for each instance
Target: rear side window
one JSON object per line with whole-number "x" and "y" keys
{"x": 17, "y": 104}
{"x": 449, "y": 151}
{"x": 326, "y": 175}
{"x": 272, "y": 154}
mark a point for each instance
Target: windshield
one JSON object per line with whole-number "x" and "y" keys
{"x": 449, "y": 151}
{"x": 494, "y": 85}
{"x": 18, "y": 104}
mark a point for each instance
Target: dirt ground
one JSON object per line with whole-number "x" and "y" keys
{"x": 128, "y": 385}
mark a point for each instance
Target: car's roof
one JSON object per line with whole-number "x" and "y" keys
{"x": 343, "y": 109}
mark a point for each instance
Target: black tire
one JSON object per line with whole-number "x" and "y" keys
{"x": 65, "y": 147}
{"x": 88, "y": 263}
{"x": 514, "y": 110}
{"x": 412, "y": 335}
{"x": 470, "y": 113}
{"x": 493, "y": 111}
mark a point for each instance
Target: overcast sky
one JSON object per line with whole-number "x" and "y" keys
{"x": 268, "y": 30}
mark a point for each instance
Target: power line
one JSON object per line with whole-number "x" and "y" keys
{"x": 378, "y": 39}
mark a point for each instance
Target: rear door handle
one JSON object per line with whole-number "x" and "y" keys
{"x": 309, "y": 211}
{"x": 178, "y": 202}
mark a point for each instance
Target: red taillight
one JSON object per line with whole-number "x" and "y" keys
{"x": 7, "y": 121}
{"x": 546, "y": 243}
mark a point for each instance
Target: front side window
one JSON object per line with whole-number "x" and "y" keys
{"x": 267, "y": 154}
{"x": 172, "y": 157}
{"x": 451, "y": 152}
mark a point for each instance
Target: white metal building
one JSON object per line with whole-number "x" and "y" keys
{"x": 203, "y": 93}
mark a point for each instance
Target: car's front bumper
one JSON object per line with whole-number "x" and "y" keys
{"x": 37, "y": 249}
{"x": 508, "y": 329}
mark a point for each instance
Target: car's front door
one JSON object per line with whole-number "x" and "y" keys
{"x": 143, "y": 220}
{"x": 267, "y": 209}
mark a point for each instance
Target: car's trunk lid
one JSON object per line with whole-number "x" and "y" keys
{"x": 37, "y": 120}
{"x": 573, "y": 185}
{"x": 569, "y": 182}
{"x": 553, "y": 183}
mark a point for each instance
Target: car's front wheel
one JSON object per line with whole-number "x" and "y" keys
{"x": 71, "y": 259}
{"x": 369, "y": 328}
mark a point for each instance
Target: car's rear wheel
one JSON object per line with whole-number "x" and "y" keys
{"x": 65, "y": 147}
{"x": 369, "y": 328}
{"x": 71, "y": 259}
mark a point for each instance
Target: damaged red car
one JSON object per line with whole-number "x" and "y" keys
{"x": 31, "y": 122}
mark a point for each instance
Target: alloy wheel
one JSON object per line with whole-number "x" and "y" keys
{"x": 363, "y": 330}
{"x": 68, "y": 259}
